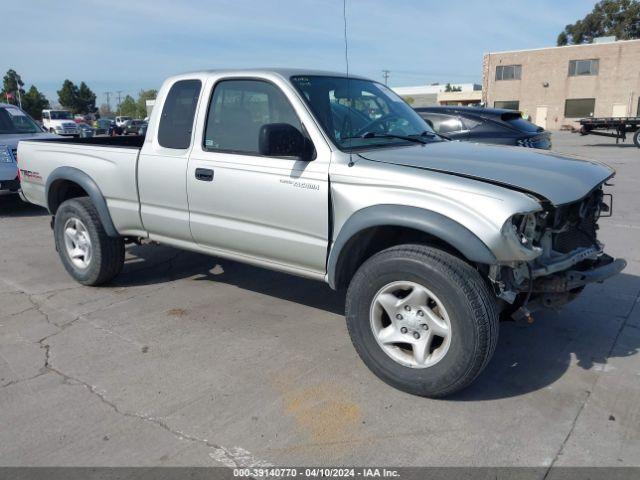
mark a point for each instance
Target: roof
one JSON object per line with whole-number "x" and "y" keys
{"x": 580, "y": 45}
{"x": 281, "y": 72}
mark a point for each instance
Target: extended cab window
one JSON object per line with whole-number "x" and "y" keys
{"x": 176, "y": 122}
{"x": 239, "y": 109}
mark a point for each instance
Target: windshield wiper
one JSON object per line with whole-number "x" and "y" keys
{"x": 388, "y": 135}
{"x": 427, "y": 133}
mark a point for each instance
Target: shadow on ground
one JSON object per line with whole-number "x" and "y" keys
{"x": 12, "y": 206}
{"x": 526, "y": 359}
{"x": 612, "y": 144}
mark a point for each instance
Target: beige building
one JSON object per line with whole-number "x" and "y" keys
{"x": 558, "y": 86}
{"x": 436, "y": 94}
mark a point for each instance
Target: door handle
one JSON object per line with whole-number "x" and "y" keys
{"x": 204, "y": 174}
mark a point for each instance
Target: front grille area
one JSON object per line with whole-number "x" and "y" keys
{"x": 578, "y": 223}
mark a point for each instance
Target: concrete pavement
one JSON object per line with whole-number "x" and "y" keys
{"x": 193, "y": 360}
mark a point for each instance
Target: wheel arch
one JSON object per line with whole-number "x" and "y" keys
{"x": 396, "y": 224}
{"x": 68, "y": 182}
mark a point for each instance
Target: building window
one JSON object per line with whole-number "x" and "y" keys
{"x": 508, "y": 104}
{"x": 508, "y": 72}
{"x": 579, "y": 107}
{"x": 578, "y": 68}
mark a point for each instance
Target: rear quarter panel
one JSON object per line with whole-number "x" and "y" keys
{"x": 113, "y": 169}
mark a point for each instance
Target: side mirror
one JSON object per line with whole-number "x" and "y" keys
{"x": 284, "y": 140}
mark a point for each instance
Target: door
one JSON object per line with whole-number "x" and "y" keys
{"x": 272, "y": 210}
{"x": 162, "y": 166}
{"x": 619, "y": 110}
{"x": 541, "y": 116}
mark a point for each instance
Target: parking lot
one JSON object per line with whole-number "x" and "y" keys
{"x": 193, "y": 360}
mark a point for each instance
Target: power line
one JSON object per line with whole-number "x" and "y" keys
{"x": 385, "y": 75}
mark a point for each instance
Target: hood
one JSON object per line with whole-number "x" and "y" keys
{"x": 12, "y": 139}
{"x": 64, "y": 122}
{"x": 557, "y": 178}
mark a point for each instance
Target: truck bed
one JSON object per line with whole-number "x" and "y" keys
{"x": 110, "y": 163}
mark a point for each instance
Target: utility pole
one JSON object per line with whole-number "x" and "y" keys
{"x": 119, "y": 92}
{"x": 108, "y": 95}
{"x": 18, "y": 82}
{"x": 385, "y": 75}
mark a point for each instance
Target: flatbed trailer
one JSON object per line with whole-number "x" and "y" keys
{"x": 616, "y": 127}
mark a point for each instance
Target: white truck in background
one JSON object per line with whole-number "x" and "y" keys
{"x": 60, "y": 122}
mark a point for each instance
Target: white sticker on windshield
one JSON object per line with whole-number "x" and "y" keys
{"x": 15, "y": 112}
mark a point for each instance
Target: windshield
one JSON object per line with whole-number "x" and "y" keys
{"x": 60, "y": 115}
{"x": 13, "y": 121}
{"x": 361, "y": 113}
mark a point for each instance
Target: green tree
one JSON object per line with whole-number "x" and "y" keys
{"x": 620, "y": 18}
{"x": 128, "y": 107}
{"x": 68, "y": 96}
{"x": 13, "y": 85}
{"x": 143, "y": 96}
{"x": 449, "y": 88}
{"x": 33, "y": 102}
{"x": 86, "y": 99}
{"x": 77, "y": 99}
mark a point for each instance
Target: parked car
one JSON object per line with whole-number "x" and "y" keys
{"x": 121, "y": 120}
{"x": 102, "y": 126}
{"x": 60, "y": 122}
{"x": 15, "y": 125}
{"x": 132, "y": 127}
{"x": 485, "y": 125}
{"x": 430, "y": 238}
{"x": 85, "y": 130}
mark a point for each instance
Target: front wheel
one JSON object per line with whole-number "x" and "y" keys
{"x": 636, "y": 138}
{"x": 89, "y": 255}
{"x": 422, "y": 320}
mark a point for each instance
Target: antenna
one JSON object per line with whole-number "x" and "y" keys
{"x": 385, "y": 75}
{"x": 346, "y": 60}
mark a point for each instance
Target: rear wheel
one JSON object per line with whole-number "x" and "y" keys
{"x": 636, "y": 138}
{"x": 422, "y": 320}
{"x": 89, "y": 255}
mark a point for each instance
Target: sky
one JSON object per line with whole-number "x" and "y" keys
{"x": 131, "y": 45}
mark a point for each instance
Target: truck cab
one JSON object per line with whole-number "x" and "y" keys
{"x": 60, "y": 122}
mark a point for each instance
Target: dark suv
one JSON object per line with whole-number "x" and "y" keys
{"x": 485, "y": 125}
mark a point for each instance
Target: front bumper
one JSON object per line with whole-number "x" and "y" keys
{"x": 572, "y": 279}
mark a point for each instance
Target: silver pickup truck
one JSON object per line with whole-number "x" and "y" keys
{"x": 335, "y": 178}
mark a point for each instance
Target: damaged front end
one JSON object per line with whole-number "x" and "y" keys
{"x": 561, "y": 255}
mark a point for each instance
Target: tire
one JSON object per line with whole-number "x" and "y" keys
{"x": 103, "y": 259}
{"x": 636, "y": 138}
{"x": 461, "y": 298}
